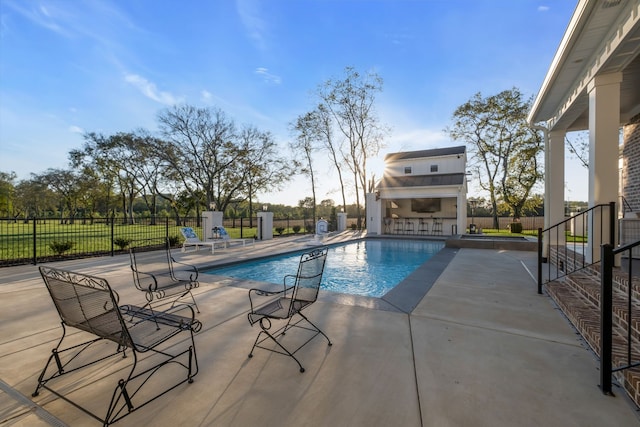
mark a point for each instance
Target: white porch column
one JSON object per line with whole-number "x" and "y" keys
{"x": 462, "y": 212}
{"x": 374, "y": 213}
{"x": 554, "y": 186}
{"x": 604, "y": 124}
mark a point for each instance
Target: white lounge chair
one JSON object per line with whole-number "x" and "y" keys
{"x": 192, "y": 239}
{"x": 227, "y": 239}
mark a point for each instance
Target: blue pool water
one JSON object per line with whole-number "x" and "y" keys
{"x": 367, "y": 267}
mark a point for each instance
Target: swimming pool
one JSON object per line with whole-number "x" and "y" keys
{"x": 366, "y": 267}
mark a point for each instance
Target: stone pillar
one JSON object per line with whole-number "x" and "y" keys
{"x": 265, "y": 225}
{"x": 604, "y": 125}
{"x": 210, "y": 219}
{"x": 374, "y": 214}
{"x": 461, "y": 212}
{"x": 342, "y": 221}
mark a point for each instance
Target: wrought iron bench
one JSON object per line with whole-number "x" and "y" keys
{"x": 89, "y": 304}
{"x": 287, "y": 303}
{"x": 159, "y": 275}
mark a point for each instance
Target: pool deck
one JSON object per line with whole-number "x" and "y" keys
{"x": 465, "y": 342}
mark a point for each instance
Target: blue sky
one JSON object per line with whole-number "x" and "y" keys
{"x": 74, "y": 66}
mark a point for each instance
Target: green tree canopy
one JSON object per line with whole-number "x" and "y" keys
{"x": 504, "y": 149}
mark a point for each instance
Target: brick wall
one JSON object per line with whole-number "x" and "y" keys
{"x": 630, "y": 174}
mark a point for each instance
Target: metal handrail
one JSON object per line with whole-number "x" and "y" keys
{"x": 608, "y": 254}
{"x": 566, "y": 266}
{"x": 625, "y": 205}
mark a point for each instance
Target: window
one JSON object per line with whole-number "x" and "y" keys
{"x": 407, "y": 170}
{"x": 434, "y": 168}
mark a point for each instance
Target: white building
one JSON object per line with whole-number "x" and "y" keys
{"x": 421, "y": 193}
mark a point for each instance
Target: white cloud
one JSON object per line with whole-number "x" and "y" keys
{"x": 150, "y": 90}
{"x": 543, "y": 8}
{"x": 267, "y": 76}
{"x": 206, "y": 96}
{"x": 76, "y": 129}
{"x": 40, "y": 16}
{"x": 249, "y": 12}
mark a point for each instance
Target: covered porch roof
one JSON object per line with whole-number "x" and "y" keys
{"x": 603, "y": 37}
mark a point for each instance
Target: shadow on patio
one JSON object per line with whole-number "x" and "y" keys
{"x": 481, "y": 348}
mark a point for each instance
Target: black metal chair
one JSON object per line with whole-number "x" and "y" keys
{"x": 423, "y": 226}
{"x": 159, "y": 275}
{"x": 409, "y": 226}
{"x": 398, "y": 225}
{"x": 284, "y": 305}
{"x": 437, "y": 226}
{"x": 88, "y": 303}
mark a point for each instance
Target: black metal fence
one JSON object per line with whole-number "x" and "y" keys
{"x": 627, "y": 350}
{"x": 564, "y": 246}
{"x": 36, "y": 240}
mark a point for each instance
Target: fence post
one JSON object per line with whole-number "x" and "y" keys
{"x": 241, "y": 221}
{"x": 612, "y": 223}
{"x": 166, "y": 229}
{"x": 539, "y": 260}
{"x": 606, "y": 317}
{"x": 35, "y": 244}
{"x": 113, "y": 220}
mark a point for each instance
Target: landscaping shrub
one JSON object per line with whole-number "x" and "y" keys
{"x": 296, "y": 229}
{"x": 280, "y": 230}
{"x": 121, "y": 242}
{"x": 515, "y": 227}
{"x": 60, "y": 247}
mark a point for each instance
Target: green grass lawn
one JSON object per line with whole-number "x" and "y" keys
{"x": 530, "y": 233}
{"x": 18, "y": 239}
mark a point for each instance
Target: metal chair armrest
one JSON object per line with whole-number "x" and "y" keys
{"x": 137, "y": 280}
{"x": 192, "y": 270}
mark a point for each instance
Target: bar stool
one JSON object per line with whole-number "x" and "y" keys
{"x": 437, "y": 226}
{"x": 423, "y": 226}
{"x": 398, "y": 225}
{"x": 387, "y": 225}
{"x": 409, "y": 226}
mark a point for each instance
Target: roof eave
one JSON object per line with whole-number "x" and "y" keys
{"x": 577, "y": 22}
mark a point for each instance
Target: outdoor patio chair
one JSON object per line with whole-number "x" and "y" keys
{"x": 409, "y": 226}
{"x": 224, "y": 236}
{"x": 299, "y": 292}
{"x": 88, "y": 304}
{"x": 437, "y": 226}
{"x": 399, "y": 225}
{"x": 423, "y": 228}
{"x": 192, "y": 239}
{"x": 159, "y": 275}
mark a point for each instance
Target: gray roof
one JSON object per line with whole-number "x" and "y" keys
{"x": 421, "y": 180}
{"x": 448, "y": 151}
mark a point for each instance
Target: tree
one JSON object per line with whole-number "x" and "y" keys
{"x": 201, "y": 151}
{"x": 504, "y": 148}
{"x": 579, "y": 147}
{"x": 67, "y": 184}
{"x": 350, "y": 102}
{"x": 114, "y": 160}
{"x": 323, "y": 123}
{"x": 7, "y": 193}
{"x": 306, "y": 134}
{"x": 264, "y": 169}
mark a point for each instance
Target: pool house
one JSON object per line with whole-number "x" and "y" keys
{"x": 422, "y": 193}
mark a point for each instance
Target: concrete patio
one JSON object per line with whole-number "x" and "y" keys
{"x": 480, "y": 349}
